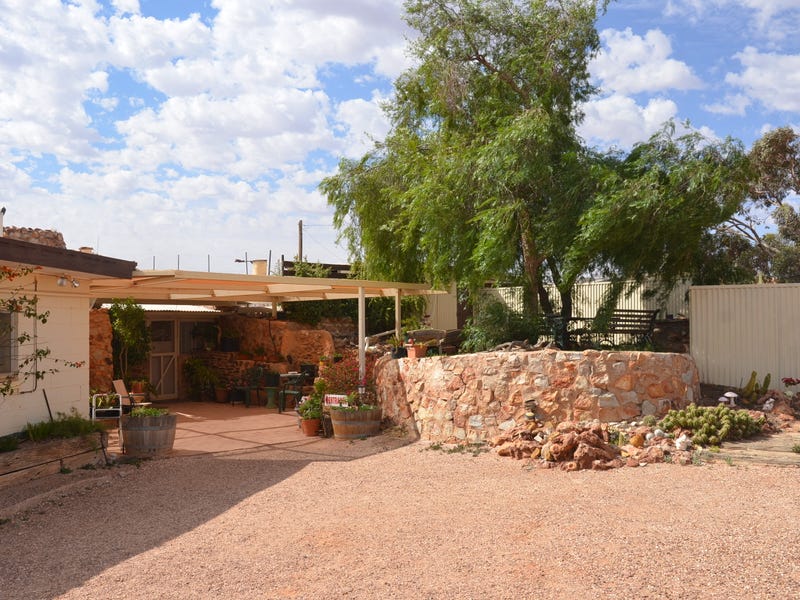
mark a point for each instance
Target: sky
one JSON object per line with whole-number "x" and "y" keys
{"x": 193, "y": 135}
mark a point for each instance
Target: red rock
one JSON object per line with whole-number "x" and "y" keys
{"x": 562, "y": 445}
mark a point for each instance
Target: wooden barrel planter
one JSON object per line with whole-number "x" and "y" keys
{"x": 356, "y": 424}
{"x": 144, "y": 437}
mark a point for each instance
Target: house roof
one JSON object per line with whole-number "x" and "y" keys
{"x": 198, "y": 287}
{"x": 74, "y": 262}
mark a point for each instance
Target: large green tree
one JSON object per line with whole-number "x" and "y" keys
{"x": 657, "y": 208}
{"x": 775, "y": 159}
{"x": 482, "y": 174}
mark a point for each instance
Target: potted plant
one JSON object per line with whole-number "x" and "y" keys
{"x": 398, "y": 349}
{"x": 148, "y": 432}
{"x": 201, "y": 377}
{"x": 222, "y": 388}
{"x": 310, "y": 411}
{"x": 359, "y": 419}
{"x": 416, "y": 349}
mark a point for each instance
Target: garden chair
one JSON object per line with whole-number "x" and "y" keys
{"x": 129, "y": 400}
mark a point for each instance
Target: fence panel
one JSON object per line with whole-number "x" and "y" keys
{"x": 588, "y": 297}
{"x": 737, "y": 329}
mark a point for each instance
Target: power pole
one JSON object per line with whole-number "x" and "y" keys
{"x": 300, "y": 241}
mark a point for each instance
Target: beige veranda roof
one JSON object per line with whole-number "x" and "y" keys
{"x": 198, "y": 287}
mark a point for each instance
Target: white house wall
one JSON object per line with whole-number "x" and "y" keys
{"x": 738, "y": 329}
{"x": 66, "y": 334}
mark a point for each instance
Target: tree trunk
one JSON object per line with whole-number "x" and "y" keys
{"x": 531, "y": 260}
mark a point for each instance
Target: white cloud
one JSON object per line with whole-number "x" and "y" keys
{"x": 364, "y": 122}
{"x": 631, "y": 64}
{"x": 127, "y": 6}
{"x": 772, "y": 19}
{"x": 618, "y": 120}
{"x": 771, "y": 78}
{"x": 731, "y": 105}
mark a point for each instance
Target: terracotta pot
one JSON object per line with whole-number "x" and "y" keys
{"x": 417, "y": 351}
{"x": 310, "y": 427}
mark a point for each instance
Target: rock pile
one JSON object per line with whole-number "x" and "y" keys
{"x": 573, "y": 446}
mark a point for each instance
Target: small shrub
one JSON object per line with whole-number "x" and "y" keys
{"x": 796, "y": 448}
{"x": 9, "y": 443}
{"x": 63, "y": 426}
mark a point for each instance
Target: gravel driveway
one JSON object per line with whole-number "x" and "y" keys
{"x": 385, "y": 518}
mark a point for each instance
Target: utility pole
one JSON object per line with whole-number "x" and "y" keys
{"x": 300, "y": 241}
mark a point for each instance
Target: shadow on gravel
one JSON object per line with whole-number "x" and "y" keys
{"x": 136, "y": 510}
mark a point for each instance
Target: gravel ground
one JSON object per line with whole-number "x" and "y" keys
{"x": 382, "y": 518}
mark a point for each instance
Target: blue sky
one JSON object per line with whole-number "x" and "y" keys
{"x": 158, "y": 129}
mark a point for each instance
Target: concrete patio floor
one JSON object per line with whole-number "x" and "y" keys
{"x": 210, "y": 427}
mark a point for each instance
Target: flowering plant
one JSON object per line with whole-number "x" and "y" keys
{"x": 342, "y": 377}
{"x": 790, "y": 381}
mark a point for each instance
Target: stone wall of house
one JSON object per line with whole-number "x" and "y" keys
{"x": 278, "y": 341}
{"x": 45, "y": 237}
{"x": 474, "y": 397}
{"x": 343, "y": 329}
{"x": 101, "y": 362}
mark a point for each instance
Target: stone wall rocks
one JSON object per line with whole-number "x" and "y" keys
{"x": 45, "y": 237}
{"x": 101, "y": 362}
{"x": 474, "y": 397}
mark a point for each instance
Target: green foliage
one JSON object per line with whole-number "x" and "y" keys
{"x": 201, "y": 376}
{"x": 495, "y": 323}
{"x": 655, "y": 206}
{"x": 712, "y": 425}
{"x": 312, "y": 407}
{"x": 796, "y": 448}
{"x": 482, "y": 173}
{"x": 148, "y": 411}
{"x": 9, "y": 443}
{"x": 131, "y": 337}
{"x": 63, "y": 426}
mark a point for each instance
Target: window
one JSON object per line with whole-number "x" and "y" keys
{"x": 8, "y": 343}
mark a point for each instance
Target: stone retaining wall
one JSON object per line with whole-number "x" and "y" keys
{"x": 474, "y": 397}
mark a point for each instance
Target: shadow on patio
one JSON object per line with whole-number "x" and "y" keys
{"x": 223, "y": 456}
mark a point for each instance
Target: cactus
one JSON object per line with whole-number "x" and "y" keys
{"x": 765, "y": 385}
{"x": 753, "y": 391}
{"x": 749, "y": 389}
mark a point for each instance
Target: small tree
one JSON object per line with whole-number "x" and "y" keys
{"x": 131, "y": 341}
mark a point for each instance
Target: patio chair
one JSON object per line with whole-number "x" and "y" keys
{"x": 292, "y": 387}
{"x": 106, "y": 406}
{"x": 129, "y": 400}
